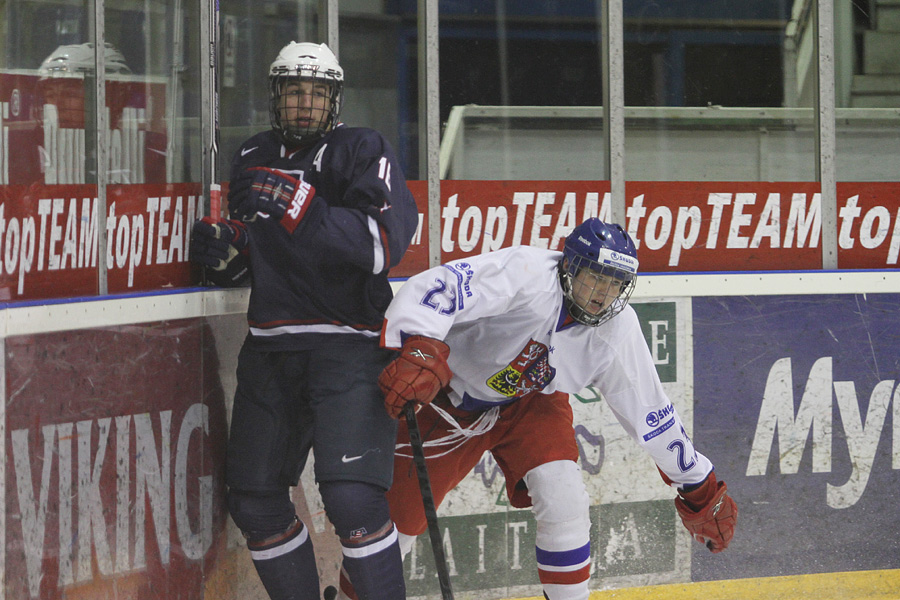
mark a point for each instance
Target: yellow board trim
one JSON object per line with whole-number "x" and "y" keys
{"x": 853, "y": 585}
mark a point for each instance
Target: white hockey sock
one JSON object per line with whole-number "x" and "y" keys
{"x": 561, "y": 509}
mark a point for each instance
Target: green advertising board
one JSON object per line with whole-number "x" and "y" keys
{"x": 495, "y": 551}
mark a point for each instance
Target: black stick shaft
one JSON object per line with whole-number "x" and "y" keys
{"x": 434, "y": 531}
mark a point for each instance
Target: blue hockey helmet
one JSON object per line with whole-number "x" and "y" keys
{"x": 597, "y": 271}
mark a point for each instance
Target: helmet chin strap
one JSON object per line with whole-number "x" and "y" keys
{"x": 576, "y": 312}
{"x": 582, "y": 316}
{"x": 297, "y": 138}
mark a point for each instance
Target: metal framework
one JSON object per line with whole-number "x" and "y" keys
{"x": 614, "y": 104}
{"x": 825, "y": 130}
{"x": 433, "y": 157}
{"x": 429, "y": 119}
{"x": 100, "y": 143}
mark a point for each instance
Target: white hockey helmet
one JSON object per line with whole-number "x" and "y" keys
{"x": 305, "y": 61}
{"x": 74, "y": 59}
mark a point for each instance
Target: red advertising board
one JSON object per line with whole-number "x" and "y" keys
{"x": 681, "y": 226}
{"x": 115, "y": 457}
{"x": 49, "y": 238}
{"x": 49, "y": 233}
{"x": 868, "y": 225}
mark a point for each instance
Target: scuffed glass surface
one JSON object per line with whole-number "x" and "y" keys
{"x": 151, "y": 92}
{"x": 159, "y": 45}
{"x": 47, "y": 94}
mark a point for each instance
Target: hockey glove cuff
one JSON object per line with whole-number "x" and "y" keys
{"x": 417, "y": 375}
{"x": 708, "y": 513}
{"x": 271, "y": 192}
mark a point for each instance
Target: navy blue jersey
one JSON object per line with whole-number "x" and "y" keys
{"x": 329, "y": 276}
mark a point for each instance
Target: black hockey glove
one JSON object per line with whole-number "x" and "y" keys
{"x": 222, "y": 246}
{"x": 270, "y": 192}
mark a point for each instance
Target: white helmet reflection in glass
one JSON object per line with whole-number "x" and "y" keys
{"x": 62, "y": 84}
{"x": 597, "y": 271}
{"x": 306, "y": 89}
{"x": 79, "y": 58}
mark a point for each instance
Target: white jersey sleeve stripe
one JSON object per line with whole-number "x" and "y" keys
{"x": 377, "y": 246}
{"x": 317, "y": 328}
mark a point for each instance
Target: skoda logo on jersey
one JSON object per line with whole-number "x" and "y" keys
{"x": 655, "y": 418}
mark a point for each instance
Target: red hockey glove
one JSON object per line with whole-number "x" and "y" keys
{"x": 708, "y": 513}
{"x": 221, "y": 245}
{"x": 271, "y": 192}
{"x": 417, "y": 375}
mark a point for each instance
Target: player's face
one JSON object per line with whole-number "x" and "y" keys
{"x": 67, "y": 95}
{"x": 594, "y": 292}
{"x": 304, "y": 105}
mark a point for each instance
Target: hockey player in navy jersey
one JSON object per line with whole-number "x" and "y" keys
{"x": 319, "y": 213}
{"x": 493, "y": 345}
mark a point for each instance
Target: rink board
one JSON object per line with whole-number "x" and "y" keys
{"x": 797, "y": 400}
{"x": 114, "y": 426}
{"x": 113, "y": 456}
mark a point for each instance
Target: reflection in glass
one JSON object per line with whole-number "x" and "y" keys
{"x": 64, "y": 235}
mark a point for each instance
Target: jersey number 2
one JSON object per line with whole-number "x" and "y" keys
{"x": 680, "y": 449}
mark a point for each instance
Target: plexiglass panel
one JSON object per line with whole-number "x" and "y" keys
{"x": 142, "y": 146}
{"x": 251, "y": 36}
{"x": 46, "y": 85}
{"x": 719, "y": 91}
{"x": 376, "y": 54}
{"x": 867, "y": 89}
{"x": 521, "y": 91}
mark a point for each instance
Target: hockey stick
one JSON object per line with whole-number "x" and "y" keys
{"x": 434, "y": 532}
{"x": 215, "y": 190}
{"x": 211, "y": 166}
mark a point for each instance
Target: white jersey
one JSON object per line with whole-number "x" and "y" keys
{"x": 503, "y": 317}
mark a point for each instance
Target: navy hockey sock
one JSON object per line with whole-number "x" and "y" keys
{"x": 374, "y": 566}
{"x": 361, "y": 518}
{"x": 287, "y": 565}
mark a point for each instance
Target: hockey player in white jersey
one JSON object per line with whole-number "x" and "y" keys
{"x": 493, "y": 345}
